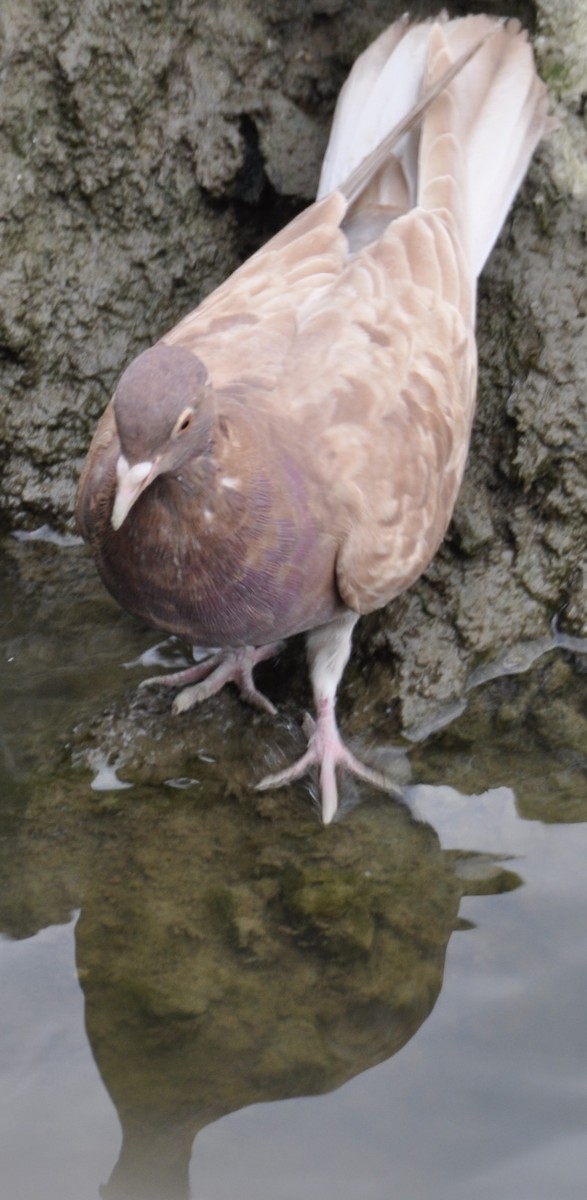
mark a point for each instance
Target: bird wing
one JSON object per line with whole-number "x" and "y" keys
{"x": 380, "y": 388}
{"x": 368, "y": 362}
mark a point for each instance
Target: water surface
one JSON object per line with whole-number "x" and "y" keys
{"x": 205, "y": 994}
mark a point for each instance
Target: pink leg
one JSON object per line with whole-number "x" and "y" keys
{"x": 208, "y": 677}
{"x": 328, "y": 651}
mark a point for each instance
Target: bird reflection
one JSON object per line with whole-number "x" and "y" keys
{"x": 228, "y": 962}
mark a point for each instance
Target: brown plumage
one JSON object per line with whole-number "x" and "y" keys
{"x": 288, "y": 456}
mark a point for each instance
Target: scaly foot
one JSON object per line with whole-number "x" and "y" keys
{"x": 209, "y": 676}
{"x": 327, "y": 751}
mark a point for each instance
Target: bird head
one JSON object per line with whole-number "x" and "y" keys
{"x": 163, "y": 412}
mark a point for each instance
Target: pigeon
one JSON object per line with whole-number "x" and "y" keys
{"x": 287, "y": 458}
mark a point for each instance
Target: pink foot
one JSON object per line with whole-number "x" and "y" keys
{"x": 208, "y": 677}
{"x": 327, "y": 751}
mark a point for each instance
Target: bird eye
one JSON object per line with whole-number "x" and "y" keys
{"x": 183, "y": 422}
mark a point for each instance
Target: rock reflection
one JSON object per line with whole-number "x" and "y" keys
{"x": 225, "y": 962}
{"x": 231, "y": 952}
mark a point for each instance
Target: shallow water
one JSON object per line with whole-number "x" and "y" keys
{"x": 206, "y": 994}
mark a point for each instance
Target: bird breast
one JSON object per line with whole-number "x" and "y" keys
{"x": 229, "y": 551}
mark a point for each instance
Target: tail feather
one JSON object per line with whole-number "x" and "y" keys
{"x": 498, "y": 117}
{"x": 368, "y": 107}
{"x": 484, "y": 111}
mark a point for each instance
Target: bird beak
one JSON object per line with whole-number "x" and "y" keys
{"x": 131, "y": 482}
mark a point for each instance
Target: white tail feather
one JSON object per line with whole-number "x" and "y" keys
{"x": 469, "y": 150}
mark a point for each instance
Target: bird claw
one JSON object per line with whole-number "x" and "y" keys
{"x": 193, "y": 674}
{"x": 209, "y": 677}
{"x": 327, "y": 751}
{"x": 225, "y": 673}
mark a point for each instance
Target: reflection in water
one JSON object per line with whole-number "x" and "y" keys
{"x": 230, "y": 950}
{"x": 243, "y": 964}
{"x": 225, "y": 963}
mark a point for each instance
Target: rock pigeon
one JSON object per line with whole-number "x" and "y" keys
{"x": 287, "y": 458}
